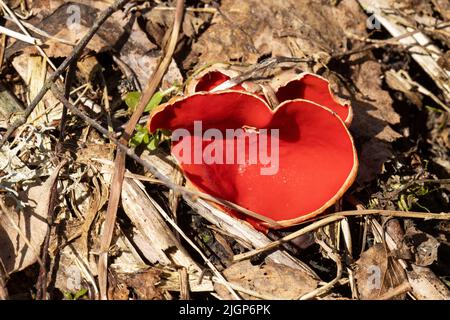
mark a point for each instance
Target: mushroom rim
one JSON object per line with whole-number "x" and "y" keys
{"x": 300, "y": 76}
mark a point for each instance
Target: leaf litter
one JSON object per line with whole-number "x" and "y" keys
{"x": 400, "y": 129}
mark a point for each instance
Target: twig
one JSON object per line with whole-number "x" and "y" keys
{"x": 117, "y": 179}
{"x": 248, "y": 291}
{"x": 2, "y": 49}
{"x": 52, "y": 196}
{"x": 375, "y": 45}
{"x": 202, "y": 10}
{"x": 59, "y": 71}
{"x": 335, "y": 217}
{"x": 403, "y": 288}
{"x": 255, "y": 70}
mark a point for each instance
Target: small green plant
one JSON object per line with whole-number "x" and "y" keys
{"x": 142, "y": 135}
{"x": 75, "y": 295}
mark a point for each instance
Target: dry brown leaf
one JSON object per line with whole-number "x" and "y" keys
{"x": 270, "y": 279}
{"x": 32, "y": 220}
{"x": 120, "y": 33}
{"x": 142, "y": 284}
{"x": 377, "y": 273}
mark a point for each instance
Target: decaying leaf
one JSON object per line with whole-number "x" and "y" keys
{"x": 423, "y": 246}
{"x": 142, "y": 285}
{"x": 269, "y": 280}
{"x": 376, "y": 273}
{"x": 31, "y": 220}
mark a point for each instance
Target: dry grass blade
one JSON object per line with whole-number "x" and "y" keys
{"x": 19, "y": 36}
{"x": 117, "y": 180}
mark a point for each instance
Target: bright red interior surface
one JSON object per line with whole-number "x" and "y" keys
{"x": 314, "y": 89}
{"x": 316, "y": 154}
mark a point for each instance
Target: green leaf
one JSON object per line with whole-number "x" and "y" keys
{"x": 80, "y": 294}
{"x": 132, "y": 99}
{"x": 68, "y": 295}
{"x": 153, "y": 144}
{"x": 154, "y": 101}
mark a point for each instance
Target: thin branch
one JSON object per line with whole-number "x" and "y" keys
{"x": 59, "y": 71}
{"x": 401, "y": 289}
{"x": 2, "y": 49}
{"x": 336, "y": 217}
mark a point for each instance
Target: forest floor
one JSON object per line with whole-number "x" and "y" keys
{"x": 81, "y": 220}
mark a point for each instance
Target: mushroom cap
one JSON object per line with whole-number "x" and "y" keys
{"x": 317, "y": 159}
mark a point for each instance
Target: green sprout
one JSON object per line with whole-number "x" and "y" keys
{"x": 75, "y": 295}
{"x": 142, "y": 135}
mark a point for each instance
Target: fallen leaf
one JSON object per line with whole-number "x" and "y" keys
{"x": 269, "y": 279}
{"x": 376, "y": 273}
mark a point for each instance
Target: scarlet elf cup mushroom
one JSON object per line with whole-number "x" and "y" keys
{"x": 288, "y": 164}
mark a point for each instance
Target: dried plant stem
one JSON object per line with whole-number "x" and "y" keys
{"x": 42, "y": 32}
{"x": 248, "y": 291}
{"x": 117, "y": 179}
{"x": 2, "y": 48}
{"x": 19, "y": 36}
{"x": 336, "y": 217}
{"x": 401, "y": 289}
{"x": 59, "y": 71}
{"x": 26, "y": 35}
